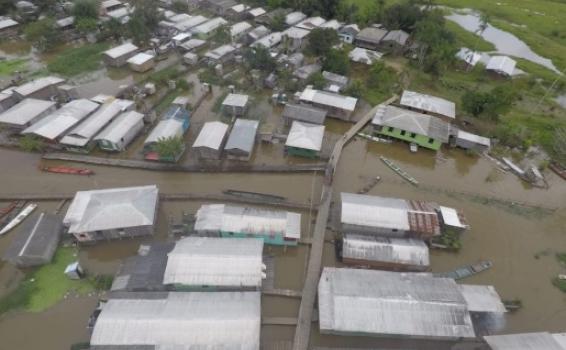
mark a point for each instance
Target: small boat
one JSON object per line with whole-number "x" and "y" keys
{"x": 373, "y": 138}
{"x": 399, "y": 171}
{"x": 558, "y": 169}
{"x": 466, "y": 271}
{"x": 254, "y": 195}
{"x": 67, "y": 170}
{"x": 512, "y": 305}
{"x": 19, "y": 218}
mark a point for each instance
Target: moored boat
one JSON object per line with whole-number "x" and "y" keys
{"x": 19, "y": 218}
{"x": 67, "y": 170}
{"x": 466, "y": 271}
{"x": 399, "y": 171}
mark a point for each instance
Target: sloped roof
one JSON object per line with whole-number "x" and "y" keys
{"x": 37, "y": 85}
{"x": 240, "y": 27}
{"x": 418, "y": 123}
{"x": 165, "y": 129}
{"x": 305, "y": 135}
{"x": 428, "y": 103}
{"x": 220, "y": 262}
{"x": 468, "y": 136}
{"x": 236, "y": 100}
{"x": 332, "y": 24}
{"x": 191, "y": 321}
{"x": 209, "y": 25}
{"x": 192, "y": 44}
{"x": 268, "y": 41}
{"x": 258, "y": 11}
{"x": 482, "y": 298}
{"x": 296, "y": 33}
{"x": 373, "y": 302}
{"x": 329, "y": 99}
{"x": 470, "y": 57}
{"x": 25, "y": 111}
{"x": 140, "y": 58}
{"x": 294, "y": 18}
{"x": 398, "y": 36}
{"x": 61, "y": 120}
{"x": 121, "y": 50}
{"x": 524, "y": 341}
{"x": 120, "y": 126}
{"x": 191, "y": 22}
{"x": 311, "y": 23}
{"x": 502, "y": 64}
{"x": 7, "y": 22}
{"x": 304, "y": 113}
{"x": 220, "y": 52}
{"x": 112, "y": 208}
{"x": 258, "y": 32}
{"x": 243, "y": 135}
{"x": 211, "y": 135}
{"x": 371, "y": 34}
{"x": 361, "y": 55}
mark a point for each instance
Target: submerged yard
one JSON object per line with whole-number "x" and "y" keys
{"x": 74, "y": 61}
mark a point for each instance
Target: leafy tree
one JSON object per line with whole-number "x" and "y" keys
{"x": 144, "y": 20}
{"x": 42, "y": 34}
{"x": 402, "y": 16}
{"x": 6, "y": 6}
{"x": 489, "y": 104}
{"x": 321, "y": 40}
{"x": 380, "y": 77}
{"x": 316, "y": 80}
{"x": 113, "y": 29}
{"x": 85, "y": 9}
{"x": 222, "y": 35}
{"x": 336, "y": 61}
{"x": 169, "y": 148}
{"x": 259, "y": 58}
{"x": 355, "y": 89}
{"x": 347, "y": 12}
{"x": 278, "y": 22}
{"x": 86, "y": 25}
{"x": 31, "y": 143}
{"x": 180, "y": 6}
{"x": 437, "y": 46}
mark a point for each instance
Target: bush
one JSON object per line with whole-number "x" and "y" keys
{"x": 316, "y": 80}
{"x": 31, "y": 143}
{"x": 42, "y": 34}
{"x": 489, "y": 105}
{"x": 336, "y": 61}
{"x": 85, "y": 9}
{"x": 355, "y": 89}
{"x": 321, "y": 40}
{"x": 180, "y": 6}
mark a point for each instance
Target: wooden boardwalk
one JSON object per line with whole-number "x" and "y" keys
{"x": 302, "y": 332}
{"x": 227, "y": 167}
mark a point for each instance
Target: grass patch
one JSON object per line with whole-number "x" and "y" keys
{"x": 561, "y": 257}
{"x": 74, "y": 61}
{"x": 46, "y": 286}
{"x": 560, "y": 284}
{"x": 469, "y": 40}
{"x": 8, "y": 67}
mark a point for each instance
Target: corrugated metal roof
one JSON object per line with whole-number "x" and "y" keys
{"x": 140, "y": 58}
{"x": 37, "y": 85}
{"x": 211, "y": 135}
{"x": 480, "y": 140}
{"x": 220, "y": 52}
{"x": 236, "y": 100}
{"x": 294, "y": 18}
{"x": 502, "y": 64}
{"x": 112, "y": 208}
{"x": 226, "y": 218}
{"x": 120, "y": 126}
{"x": 191, "y": 321}
{"x": 165, "y": 129}
{"x": 428, "y": 103}
{"x": 25, "y": 111}
{"x": 311, "y": 23}
{"x": 217, "y": 262}
{"x": 238, "y": 8}
{"x": 332, "y": 24}
{"x": 268, "y": 41}
{"x": 296, "y": 33}
{"x": 192, "y": 44}
{"x": 371, "y": 34}
{"x": 121, "y": 50}
{"x": 180, "y": 17}
{"x": 85, "y": 131}
{"x": 414, "y": 122}
{"x": 243, "y": 134}
{"x": 7, "y": 22}
{"x": 470, "y": 57}
{"x": 524, "y": 341}
{"x": 304, "y": 113}
{"x": 258, "y": 11}
{"x": 398, "y": 36}
{"x": 191, "y": 23}
{"x": 306, "y": 136}
{"x": 64, "y": 22}
{"x": 451, "y": 217}
{"x": 258, "y": 32}
{"x": 239, "y": 28}
{"x": 389, "y": 303}
{"x": 389, "y": 250}
{"x": 482, "y": 298}
{"x": 329, "y": 99}
{"x": 209, "y": 26}
{"x": 56, "y": 123}
{"x": 110, "y": 3}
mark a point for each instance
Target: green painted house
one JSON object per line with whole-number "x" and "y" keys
{"x": 424, "y": 130}
{"x": 305, "y": 140}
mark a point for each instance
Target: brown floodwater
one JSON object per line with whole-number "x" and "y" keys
{"x": 501, "y": 230}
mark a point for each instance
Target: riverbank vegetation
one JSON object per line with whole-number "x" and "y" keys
{"x": 74, "y": 61}
{"x": 8, "y": 67}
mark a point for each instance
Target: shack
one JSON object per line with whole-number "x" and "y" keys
{"x": 174, "y": 124}
{"x": 256, "y": 34}
{"x": 501, "y": 65}
{"x": 269, "y": 40}
{"x": 395, "y": 254}
{"x": 26, "y": 113}
{"x": 359, "y": 302}
{"x": 210, "y": 140}
{"x": 275, "y": 227}
{"x": 219, "y": 7}
{"x": 332, "y": 24}
{"x": 237, "y": 12}
{"x": 302, "y": 113}
{"x": 80, "y": 139}
{"x": 467, "y": 140}
{"x": 335, "y": 82}
{"x": 35, "y": 243}
{"x": 239, "y": 30}
{"x": 7, "y": 100}
{"x": 118, "y": 56}
{"x": 305, "y": 140}
{"x": 310, "y": 23}
{"x": 42, "y": 88}
{"x": 8, "y": 27}
{"x": 235, "y": 105}
{"x": 110, "y": 5}
{"x": 118, "y": 134}
{"x": 192, "y": 44}
{"x": 256, "y": 12}
{"x": 395, "y": 41}
{"x": 527, "y": 341}
{"x": 190, "y": 23}
{"x": 348, "y": 33}
{"x": 208, "y": 28}
{"x": 222, "y": 54}
{"x": 241, "y": 142}
{"x": 370, "y": 38}
{"x": 294, "y": 17}
{"x": 427, "y": 104}
{"x": 304, "y": 72}
{"x": 423, "y": 130}
{"x": 337, "y": 106}
{"x": 295, "y": 38}
{"x": 141, "y": 62}
{"x": 115, "y": 213}
{"x": 388, "y": 217}
{"x": 208, "y": 263}
{"x": 230, "y": 320}
{"x": 470, "y": 58}
{"x": 181, "y": 38}
{"x": 60, "y": 121}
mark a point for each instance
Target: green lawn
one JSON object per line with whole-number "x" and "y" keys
{"x": 46, "y": 286}
{"x": 8, "y": 67}
{"x": 469, "y": 40}
{"x": 75, "y": 61}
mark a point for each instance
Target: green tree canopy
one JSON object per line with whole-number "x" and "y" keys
{"x": 180, "y": 6}
{"x": 336, "y": 61}
{"x": 437, "y": 47}
{"x": 259, "y": 58}
{"x": 321, "y": 40}
{"x": 169, "y": 148}
{"x": 489, "y": 104}
{"x": 316, "y": 80}
{"x": 278, "y": 22}
{"x": 144, "y": 20}
{"x": 403, "y": 16}
{"x": 42, "y": 34}
{"x": 85, "y": 9}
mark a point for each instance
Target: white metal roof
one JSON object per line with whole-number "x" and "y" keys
{"x": 502, "y": 64}
{"x": 239, "y": 8}
{"x": 236, "y": 100}
{"x": 296, "y": 33}
{"x": 121, "y": 50}
{"x": 220, "y": 52}
{"x": 140, "y": 58}
{"x": 481, "y": 140}
{"x": 112, "y": 208}
{"x": 37, "y": 85}
{"x": 211, "y": 135}
{"x": 221, "y": 217}
{"x": 329, "y": 99}
{"x": 239, "y": 28}
{"x": 365, "y": 210}
{"x": 64, "y": 22}
{"x": 470, "y": 57}
{"x": 305, "y": 135}
{"x": 119, "y": 13}
{"x": 332, "y": 24}
{"x": 398, "y": 36}
{"x": 110, "y": 3}
{"x": 388, "y": 250}
{"x": 25, "y": 111}
{"x": 120, "y": 126}
{"x": 482, "y": 298}
{"x": 7, "y": 22}
{"x": 188, "y": 321}
{"x": 371, "y": 302}
{"x": 258, "y": 11}
{"x": 243, "y": 134}
{"x": 525, "y": 341}
{"x": 451, "y": 218}
{"x": 58, "y": 122}
{"x": 221, "y": 262}
{"x": 193, "y": 44}
{"x": 191, "y": 23}
{"x": 258, "y": 32}
{"x": 181, "y": 37}
{"x": 210, "y": 25}
{"x": 294, "y": 18}
{"x": 165, "y": 129}
{"x": 311, "y": 23}
{"x": 269, "y": 40}
{"x": 84, "y": 132}
{"x": 361, "y": 55}
{"x": 180, "y": 17}
{"x": 428, "y": 103}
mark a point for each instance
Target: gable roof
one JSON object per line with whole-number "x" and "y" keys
{"x": 25, "y": 111}
{"x": 303, "y": 113}
{"x": 242, "y": 136}
{"x": 211, "y": 135}
{"x": 306, "y": 136}
{"x": 428, "y": 103}
{"x": 120, "y": 126}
